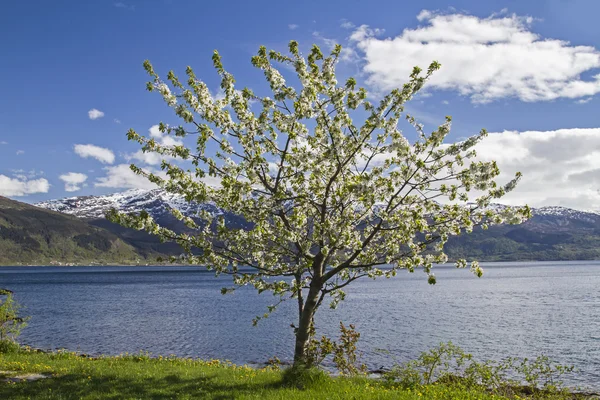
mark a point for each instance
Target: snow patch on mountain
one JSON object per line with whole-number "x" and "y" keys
{"x": 155, "y": 202}
{"x": 158, "y": 202}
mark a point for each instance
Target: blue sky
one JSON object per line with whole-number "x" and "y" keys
{"x": 526, "y": 72}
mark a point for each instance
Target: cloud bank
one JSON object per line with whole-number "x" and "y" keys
{"x": 560, "y": 167}
{"x": 484, "y": 58}
{"x": 22, "y": 187}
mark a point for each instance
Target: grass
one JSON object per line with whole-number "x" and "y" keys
{"x": 72, "y": 376}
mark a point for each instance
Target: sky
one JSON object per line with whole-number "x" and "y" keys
{"x": 73, "y": 81}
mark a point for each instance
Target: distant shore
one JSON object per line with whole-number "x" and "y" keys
{"x": 168, "y": 264}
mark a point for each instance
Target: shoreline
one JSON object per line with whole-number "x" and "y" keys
{"x": 449, "y": 264}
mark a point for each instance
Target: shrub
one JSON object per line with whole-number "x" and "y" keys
{"x": 449, "y": 364}
{"x": 344, "y": 354}
{"x": 9, "y": 346}
{"x": 10, "y": 321}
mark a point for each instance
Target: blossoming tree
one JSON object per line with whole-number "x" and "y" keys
{"x": 328, "y": 200}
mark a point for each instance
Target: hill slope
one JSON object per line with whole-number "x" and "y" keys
{"x": 35, "y": 236}
{"x": 554, "y": 233}
{"x": 156, "y": 202}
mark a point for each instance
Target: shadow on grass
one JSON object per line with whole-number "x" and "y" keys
{"x": 114, "y": 387}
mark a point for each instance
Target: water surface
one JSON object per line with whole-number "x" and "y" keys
{"x": 516, "y": 309}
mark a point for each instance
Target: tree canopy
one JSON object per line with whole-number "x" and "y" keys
{"x": 328, "y": 200}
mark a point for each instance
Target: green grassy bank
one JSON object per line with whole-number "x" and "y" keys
{"x": 72, "y": 376}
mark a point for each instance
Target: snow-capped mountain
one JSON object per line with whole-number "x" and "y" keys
{"x": 158, "y": 201}
{"x": 554, "y": 233}
{"x": 155, "y": 201}
{"x": 566, "y": 212}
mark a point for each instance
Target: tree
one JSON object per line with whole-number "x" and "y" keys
{"x": 10, "y": 322}
{"x": 328, "y": 201}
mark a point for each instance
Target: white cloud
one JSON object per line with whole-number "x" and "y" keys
{"x": 584, "y": 101}
{"x": 445, "y": 102}
{"x": 95, "y": 114}
{"x": 21, "y": 187}
{"x": 560, "y": 167}
{"x": 73, "y": 181}
{"x": 125, "y": 6}
{"x": 19, "y": 152}
{"x": 117, "y": 121}
{"x": 483, "y": 58}
{"x": 347, "y": 24}
{"x": 122, "y": 177}
{"x": 146, "y": 158}
{"x": 3, "y": 142}
{"x": 423, "y": 15}
{"x": 155, "y": 132}
{"x": 101, "y": 154}
{"x": 293, "y": 27}
{"x": 23, "y": 175}
{"x": 20, "y": 174}
{"x": 363, "y": 32}
{"x": 151, "y": 158}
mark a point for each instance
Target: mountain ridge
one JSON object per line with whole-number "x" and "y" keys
{"x": 135, "y": 200}
{"x": 553, "y": 233}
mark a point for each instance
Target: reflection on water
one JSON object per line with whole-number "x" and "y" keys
{"x": 523, "y": 309}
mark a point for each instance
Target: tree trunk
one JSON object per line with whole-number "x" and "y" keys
{"x": 306, "y": 318}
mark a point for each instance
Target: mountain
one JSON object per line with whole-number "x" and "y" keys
{"x": 553, "y": 233}
{"x": 157, "y": 202}
{"x": 36, "y": 236}
{"x": 74, "y": 230}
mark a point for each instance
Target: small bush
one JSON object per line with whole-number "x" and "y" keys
{"x": 450, "y": 365}
{"x": 10, "y": 321}
{"x": 9, "y": 346}
{"x": 344, "y": 351}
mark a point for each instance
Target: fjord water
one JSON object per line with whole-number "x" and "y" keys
{"x": 516, "y": 309}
